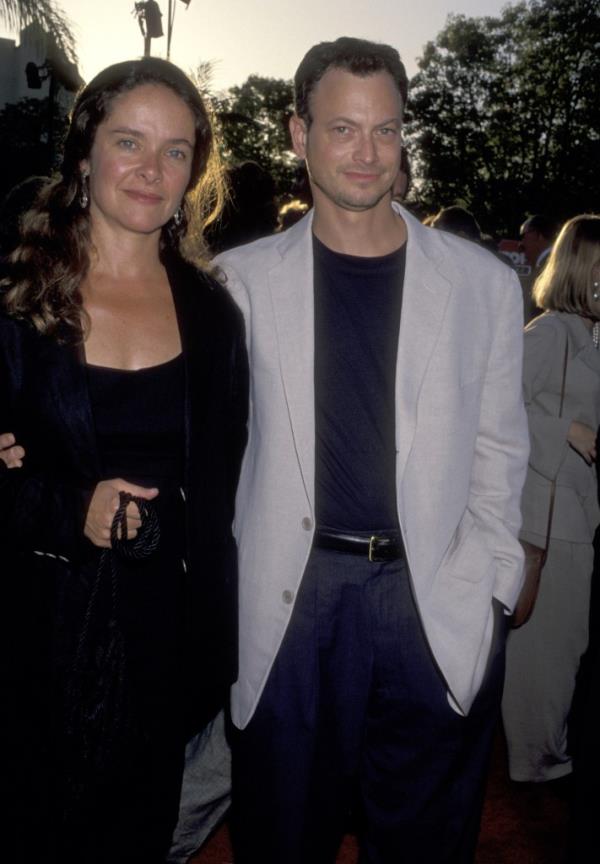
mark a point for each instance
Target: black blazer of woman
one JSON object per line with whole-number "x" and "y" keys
{"x": 44, "y": 400}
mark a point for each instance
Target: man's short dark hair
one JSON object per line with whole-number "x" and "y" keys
{"x": 358, "y": 56}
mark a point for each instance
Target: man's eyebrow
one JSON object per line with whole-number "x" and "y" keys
{"x": 390, "y": 121}
{"x": 341, "y": 119}
{"x": 350, "y": 122}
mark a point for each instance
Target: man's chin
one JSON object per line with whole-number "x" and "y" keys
{"x": 359, "y": 205}
{"x": 358, "y": 202}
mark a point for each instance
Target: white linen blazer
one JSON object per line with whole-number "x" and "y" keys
{"x": 461, "y": 441}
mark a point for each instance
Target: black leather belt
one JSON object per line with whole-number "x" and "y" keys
{"x": 377, "y": 547}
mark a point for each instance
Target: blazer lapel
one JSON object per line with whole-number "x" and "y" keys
{"x": 291, "y": 289}
{"x": 424, "y": 299}
{"x": 198, "y": 335}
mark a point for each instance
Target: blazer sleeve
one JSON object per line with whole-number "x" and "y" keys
{"x": 502, "y": 445}
{"x": 39, "y": 510}
{"x": 41, "y": 514}
{"x": 544, "y": 343}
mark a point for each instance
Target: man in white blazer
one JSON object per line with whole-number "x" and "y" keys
{"x": 371, "y": 649}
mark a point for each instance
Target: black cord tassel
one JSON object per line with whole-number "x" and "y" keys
{"x": 100, "y": 719}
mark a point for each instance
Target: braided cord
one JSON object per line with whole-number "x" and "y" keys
{"x": 99, "y": 715}
{"x": 148, "y": 536}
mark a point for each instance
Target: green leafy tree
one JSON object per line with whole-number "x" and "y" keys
{"x": 253, "y": 120}
{"x": 504, "y": 112}
{"x": 47, "y": 13}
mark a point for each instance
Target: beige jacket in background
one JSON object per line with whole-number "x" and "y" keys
{"x": 576, "y": 512}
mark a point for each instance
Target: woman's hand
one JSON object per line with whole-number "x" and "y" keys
{"x": 582, "y": 439}
{"x": 104, "y": 505}
{"x": 10, "y": 452}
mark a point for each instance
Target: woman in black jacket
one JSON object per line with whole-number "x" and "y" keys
{"x": 123, "y": 375}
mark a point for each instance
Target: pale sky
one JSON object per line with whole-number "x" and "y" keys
{"x": 264, "y": 37}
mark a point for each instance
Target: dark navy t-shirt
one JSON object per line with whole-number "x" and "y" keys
{"x": 357, "y": 320}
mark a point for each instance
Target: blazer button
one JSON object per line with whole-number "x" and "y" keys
{"x": 307, "y": 523}
{"x": 288, "y": 597}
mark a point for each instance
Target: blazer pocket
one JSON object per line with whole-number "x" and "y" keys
{"x": 467, "y": 557}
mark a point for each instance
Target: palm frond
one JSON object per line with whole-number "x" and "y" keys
{"x": 48, "y": 14}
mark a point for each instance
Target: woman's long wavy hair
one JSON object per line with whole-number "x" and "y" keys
{"x": 46, "y": 270}
{"x": 566, "y": 284}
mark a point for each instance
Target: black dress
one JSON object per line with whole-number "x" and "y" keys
{"x": 122, "y": 805}
{"x": 179, "y": 623}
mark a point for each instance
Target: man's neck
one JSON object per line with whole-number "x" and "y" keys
{"x": 366, "y": 233}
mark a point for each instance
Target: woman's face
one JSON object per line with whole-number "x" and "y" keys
{"x": 140, "y": 164}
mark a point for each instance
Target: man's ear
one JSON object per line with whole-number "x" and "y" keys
{"x": 298, "y": 131}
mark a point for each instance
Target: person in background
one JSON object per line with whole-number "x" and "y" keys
{"x": 250, "y": 209}
{"x": 291, "y": 212}
{"x": 537, "y": 235}
{"x": 123, "y": 372}
{"x": 543, "y": 655}
{"x": 459, "y": 221}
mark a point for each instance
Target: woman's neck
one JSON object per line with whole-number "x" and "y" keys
{"x": 125, "y": 255}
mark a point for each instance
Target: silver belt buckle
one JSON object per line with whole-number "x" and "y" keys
{"x": 372, "y": 550}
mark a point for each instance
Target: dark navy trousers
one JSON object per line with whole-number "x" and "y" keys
{"x": 355, "y": 719}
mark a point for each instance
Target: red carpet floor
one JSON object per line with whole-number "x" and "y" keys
{"x": 522, "y": 824}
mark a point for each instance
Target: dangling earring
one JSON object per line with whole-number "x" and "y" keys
{"x": 84, "y": 198}
{"x": 178, "y": 216}
{"x": 596, "y": 294}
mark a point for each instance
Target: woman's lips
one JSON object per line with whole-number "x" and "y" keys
{"x": 143, "y": 197}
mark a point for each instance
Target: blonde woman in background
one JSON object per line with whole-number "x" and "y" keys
{"x": 543, "y": 656}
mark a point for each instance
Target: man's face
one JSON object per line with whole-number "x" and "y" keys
{"x": 533, "y": 244}
{"x": 352, "y": 147}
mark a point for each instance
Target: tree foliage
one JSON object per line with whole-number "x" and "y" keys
{"x": 504, "y": 112}
{"x": 24, "y": 144}
{"x": 16, "y": 14}
{"x": 253, "y": 120}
